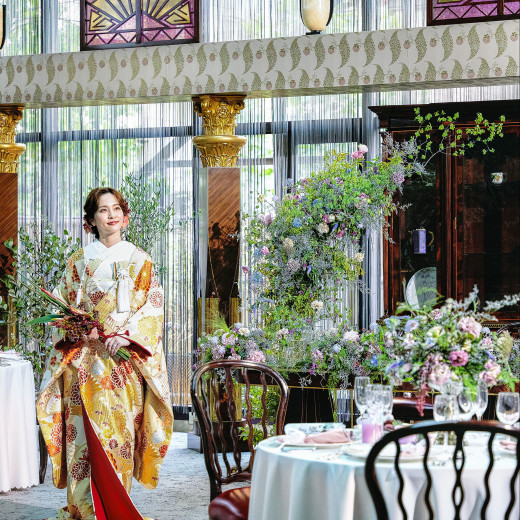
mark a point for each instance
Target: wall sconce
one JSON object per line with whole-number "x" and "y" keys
{"x": 316, "y": 14}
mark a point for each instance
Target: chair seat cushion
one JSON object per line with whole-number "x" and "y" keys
{"x": 232, "y": 504}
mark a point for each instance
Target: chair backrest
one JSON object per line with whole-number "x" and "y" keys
{"x": 223, "y": 394}
{"x": 457, "y": 495}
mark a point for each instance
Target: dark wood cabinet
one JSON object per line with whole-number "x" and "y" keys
{"x": 468, "y": 211}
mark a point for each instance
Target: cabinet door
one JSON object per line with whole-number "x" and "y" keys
{"x": 468, "y": 210}
{"x": 488, "y": 215}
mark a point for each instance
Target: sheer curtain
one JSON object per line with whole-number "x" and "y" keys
{"x": 71, "y": 150}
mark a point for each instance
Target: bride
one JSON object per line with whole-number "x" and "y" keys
{"x": 104, "y": 419}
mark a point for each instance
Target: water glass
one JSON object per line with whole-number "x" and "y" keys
{"x": 481, "y": 399}
{"x": 360, "y": 393}
{"x": 466, "y": 402}
{"x": 508, "y": 407}
{"x": 388, "y": 399}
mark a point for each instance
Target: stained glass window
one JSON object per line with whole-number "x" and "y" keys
{"x": 457, "y": 11}
{"x": 127, "y": 23}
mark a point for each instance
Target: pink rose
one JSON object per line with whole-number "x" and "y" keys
{"x": 363, "y": 148}
{"x": 264, "y": 250}
{"x": 265, "y": 219}
{"x": 357, "y": 155}
{"x": 440, "y": 374}
{"x": 471, "y": 326}
{"x": 245, "y": 270}
{"x": 257, "y": 356}
{"x": 459, "y": 358}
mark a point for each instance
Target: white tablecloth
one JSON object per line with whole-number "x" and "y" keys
{"x": 304, "y": 485}
{"x": 18, "y": 430}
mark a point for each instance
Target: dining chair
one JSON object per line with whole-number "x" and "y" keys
{"x": 232, "y": 399}
{"x": 457, "y": 496}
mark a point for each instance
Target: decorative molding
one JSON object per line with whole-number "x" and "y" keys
{"x": 9, "y": 150}
{"x": 460, "y": 55}
{"x": 219, "y": 146}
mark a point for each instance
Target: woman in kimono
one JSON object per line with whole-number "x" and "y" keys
{"x": 104, "y": 419}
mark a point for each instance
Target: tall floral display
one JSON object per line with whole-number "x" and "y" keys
{"x": 308, "y": 244}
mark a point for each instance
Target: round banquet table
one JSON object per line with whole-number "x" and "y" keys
{"x": 18, "y": 429}
{"x": 325, "y": 485}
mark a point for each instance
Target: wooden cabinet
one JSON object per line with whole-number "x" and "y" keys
{"x": 469, "y": 209}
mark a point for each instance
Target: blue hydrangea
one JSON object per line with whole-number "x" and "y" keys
{"x": 297, "y": 222}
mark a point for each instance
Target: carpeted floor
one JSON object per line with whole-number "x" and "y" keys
{"x": 182, "y": 493}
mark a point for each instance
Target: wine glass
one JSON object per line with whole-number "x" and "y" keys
{"x": 360, "y": 394}
{"x": 481, "y": 399}
{"x": 444, "y": 409}
{"x": 388, "y": 400}
{"x": 508, "y": 407}
{"x": 466, "y": 402}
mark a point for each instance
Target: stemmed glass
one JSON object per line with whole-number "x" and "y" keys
{"x": 508, "y": 407}
{"x": 388, "y": 400}
{"x": 360, "y": 394}
{"x": 481, "y": 399}
{"x": 467, "y": 404}
{"x": 444, "y": 409}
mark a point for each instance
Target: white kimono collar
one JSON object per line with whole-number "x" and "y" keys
{"x": 121, "y": 251}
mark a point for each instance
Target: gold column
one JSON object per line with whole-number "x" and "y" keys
{"x": 218, "y": 146}
{"x": 9, "y": 154}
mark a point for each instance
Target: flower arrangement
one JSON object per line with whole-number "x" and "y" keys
{"x": 430, "y": 347}
{"x": 308, "y": 243}
{"x": 237, "y": 342}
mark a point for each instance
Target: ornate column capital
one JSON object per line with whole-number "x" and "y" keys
{"x": 218, "y": 146}
{"x": 10, "y": 151}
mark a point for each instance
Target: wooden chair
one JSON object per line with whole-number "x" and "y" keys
{"x": 216, "y": 389}
{"x": 457, "y": 495}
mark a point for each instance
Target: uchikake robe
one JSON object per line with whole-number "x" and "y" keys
{"x": 105, "y": 420}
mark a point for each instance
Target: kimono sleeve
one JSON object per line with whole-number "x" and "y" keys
{"x": 145, "y": 326}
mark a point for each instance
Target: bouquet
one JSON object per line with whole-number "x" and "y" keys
{"x": 431, "y": 347}
{"x": 74, "y": 322}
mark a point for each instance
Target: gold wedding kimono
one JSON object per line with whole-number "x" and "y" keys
{"x": 105, "y": 420}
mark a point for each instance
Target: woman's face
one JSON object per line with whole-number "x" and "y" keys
{"x": 108, "y": 218}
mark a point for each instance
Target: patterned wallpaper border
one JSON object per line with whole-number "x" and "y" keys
{"x": 420, "y": 58}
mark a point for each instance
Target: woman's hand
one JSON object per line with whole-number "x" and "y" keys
{"x": 115, "y": 343}
{"x": 93, "y": 334}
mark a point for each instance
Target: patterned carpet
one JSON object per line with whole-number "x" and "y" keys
{"x": 182, "y": 493}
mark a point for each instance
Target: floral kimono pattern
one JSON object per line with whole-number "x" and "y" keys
{"x": 105, "y": 420}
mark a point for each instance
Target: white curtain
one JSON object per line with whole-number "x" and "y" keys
{"x": 71, "y": 150}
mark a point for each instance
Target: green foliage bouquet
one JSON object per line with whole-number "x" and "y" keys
{"x": 308, "y": 244}
{"x": 431, "y": 347}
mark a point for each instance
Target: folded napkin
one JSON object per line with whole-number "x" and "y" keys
{"x": 329, "y": 437}
{"x": 508, "y": 445}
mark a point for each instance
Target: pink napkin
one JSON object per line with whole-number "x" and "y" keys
{"x": 330, "y": 437}
{"x": 508, "y": 445}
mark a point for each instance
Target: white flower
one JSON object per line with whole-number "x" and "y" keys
{"x": 288, "y": 244}
{"x": 268, "y": 236}
{"x": 282, "y": 332}
{"x": 238, "y": 325}
{"x": 351, "y": 335}
{"x": 363, "y": 148}
{"x": 244, "y": 331}
{"x": 214, "y": 340}
{"x": 336, "y": 348}
{"x": 316, "y": 305}
{"x": 359, "y": 257}
{"x": 322, "y": 228}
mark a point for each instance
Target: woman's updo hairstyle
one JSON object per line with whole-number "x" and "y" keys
{"x": 92, "y": 205}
